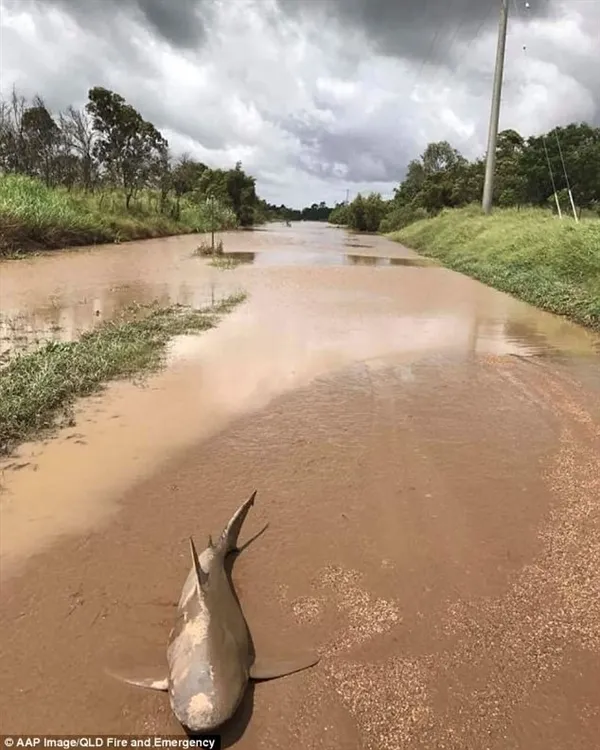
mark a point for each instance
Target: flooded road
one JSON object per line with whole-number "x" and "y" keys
{"x": 426, "y": 451}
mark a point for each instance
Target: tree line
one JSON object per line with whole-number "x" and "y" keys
{"x": 109, "y": 145}
{"x": 537, "y": 171}
{"x": 314, "y": 212}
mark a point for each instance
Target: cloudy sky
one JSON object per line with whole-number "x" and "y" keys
{"x": 314, "y": 96}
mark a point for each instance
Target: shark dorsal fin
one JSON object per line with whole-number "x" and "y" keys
{"x": 229, "y": 537}
{"x": 210, "y": 542}
{"x": 201, "y": 575}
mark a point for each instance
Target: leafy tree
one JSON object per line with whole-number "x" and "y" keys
{"x": 127, "y": 144}
{"x": 440, "y": 157}
{"x": 339, "y": 215}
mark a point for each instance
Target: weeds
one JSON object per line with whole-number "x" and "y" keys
{"x": 206, "y": 249}
{"x": 38, "y": 389}
{"x": 531, "y": 254}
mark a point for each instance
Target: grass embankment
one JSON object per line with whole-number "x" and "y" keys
{"x": 35, "y": 217}
{"x": 531, "y": 254}
{"x": 38, "y": 389}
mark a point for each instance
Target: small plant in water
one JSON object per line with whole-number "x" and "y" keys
{"x": 206, "y": 249}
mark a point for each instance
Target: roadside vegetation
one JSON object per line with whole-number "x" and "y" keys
{"x": 103, "y": 173}
{"x": 34, "y": 216}
{"x": 38, "y": 388}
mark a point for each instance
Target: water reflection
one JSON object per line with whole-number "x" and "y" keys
{"x": 301, "y": 257}
{"x": 64, "y": 319}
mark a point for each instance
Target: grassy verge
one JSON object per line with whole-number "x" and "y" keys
{"x": 549, "y": 263}
{"x": 35, "y": 217}
{"x": 38, "y": 389}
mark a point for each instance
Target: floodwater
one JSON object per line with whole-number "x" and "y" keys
{"x": 426, "y": 451}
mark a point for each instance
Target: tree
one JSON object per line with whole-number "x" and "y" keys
{"x": 11, "y": 136}
{"x": 41, "y": 141}
{"x": 440, "y": 157}
{"x": 232, "y": 187}
{"x": 127, "y": 145}
{"x": 78, "y": 131}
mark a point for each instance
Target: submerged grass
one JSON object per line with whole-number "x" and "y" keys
{"x": 36, "y": 217}
{"x": 205, "y": 249}
{"x": 531, "y": 254}
{"x": 226, "y": 263}
{"x": 38, "y": 389}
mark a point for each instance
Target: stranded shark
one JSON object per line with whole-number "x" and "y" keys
{"x": 209, "y": 651}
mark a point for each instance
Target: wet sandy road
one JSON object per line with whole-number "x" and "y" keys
{"x": 427, "y": 455}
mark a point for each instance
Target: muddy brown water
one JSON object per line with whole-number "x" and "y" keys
{"x": 427, "y": 454}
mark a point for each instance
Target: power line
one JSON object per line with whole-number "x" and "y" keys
{"x": 552, "y": 179}
{"x": 472, "y": 39}
{"x": 566, "y": 175}
{"x": 521, "y": 18}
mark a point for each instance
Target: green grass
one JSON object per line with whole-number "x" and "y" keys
{"x": 38, "y": 389}
{"x": 530, "y": 254}
{"x": 35, "y": 217}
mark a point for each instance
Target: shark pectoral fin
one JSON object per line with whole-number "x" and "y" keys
{"x": 270, "y": 669}
{"x": 153, "y": 679}
{"x": 238, "y": 550}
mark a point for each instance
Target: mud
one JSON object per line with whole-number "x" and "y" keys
{"x": 426, "y": 452}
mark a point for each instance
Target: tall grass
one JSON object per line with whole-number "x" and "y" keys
{"x": 39, "y": 387}
{"x": 532, "y": 254}
{"x": 35, "y": 216}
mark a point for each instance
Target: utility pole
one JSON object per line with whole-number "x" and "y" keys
{"x": 488, "y": 187}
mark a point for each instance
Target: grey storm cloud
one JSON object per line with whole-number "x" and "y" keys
{"x": 414, "y": 29}
{"x": 182, "y": 23}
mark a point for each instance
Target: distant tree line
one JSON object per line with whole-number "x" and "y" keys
{"x": 109, "y": 145}
{"x": 536, "y": 171}
{"x": 315, "y": 212}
